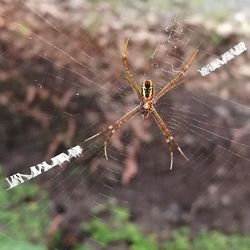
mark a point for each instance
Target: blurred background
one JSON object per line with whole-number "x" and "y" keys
{"x": 62, "y": 80}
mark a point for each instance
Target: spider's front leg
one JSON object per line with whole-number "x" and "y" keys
{"x": 176, "y": 80}
{"x": 168, "y": 136}
{"x": 129, "y": 77}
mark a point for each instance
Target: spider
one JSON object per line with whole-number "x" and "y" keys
{"x": 147, "y": 100}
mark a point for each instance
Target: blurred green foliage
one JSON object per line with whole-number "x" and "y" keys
{"x": 117, "y": 228}
{"x": 23, "y": 217}
{"x": 181, "y": 240}
{"x": 8, "y": 244}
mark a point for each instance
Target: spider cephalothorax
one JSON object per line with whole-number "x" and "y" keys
{"x": 147, "y": 100}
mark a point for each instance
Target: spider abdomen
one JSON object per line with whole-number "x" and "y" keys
{"x": 147, "y": 90}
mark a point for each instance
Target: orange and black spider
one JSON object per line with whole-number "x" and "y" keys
{"x": 147, "y": 100}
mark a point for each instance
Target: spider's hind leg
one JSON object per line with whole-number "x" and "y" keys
{"x": 112, "y": 129}
{"x": 171, "y": 144}
{"x": 168, "y": 136}
{"x": 105, "y": 145}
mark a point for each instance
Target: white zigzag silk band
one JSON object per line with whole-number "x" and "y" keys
{"x": 225, "y": 58}
{"x": 16, "y": 179}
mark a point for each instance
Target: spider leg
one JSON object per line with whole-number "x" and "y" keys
{"x": 174, "y": 82}
{"x": 168, "y": 136}
{"x": 107, "y": 141}
{"x": 112, "y": 129}
{"x": 130, "y": 77}
{"x": 94, "y": 136}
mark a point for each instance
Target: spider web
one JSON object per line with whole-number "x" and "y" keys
{"x": 74, "y": 88}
